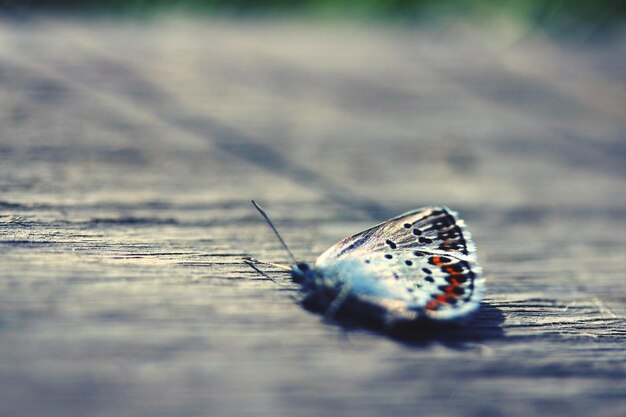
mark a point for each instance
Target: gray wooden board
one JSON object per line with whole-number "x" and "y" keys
{"x": 129, "y": 152}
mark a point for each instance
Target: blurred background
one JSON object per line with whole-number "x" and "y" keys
{"x": 578, "y": 18}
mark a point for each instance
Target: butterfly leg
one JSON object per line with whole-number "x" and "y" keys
{"x": 249, "y": 260}
{"x": 337, "y": 302}
{"x": 251, "y": 265}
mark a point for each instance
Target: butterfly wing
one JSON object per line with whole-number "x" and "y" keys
{"x": 419, "y": 264}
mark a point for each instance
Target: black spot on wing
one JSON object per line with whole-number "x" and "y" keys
{"x": 452, "y": 237}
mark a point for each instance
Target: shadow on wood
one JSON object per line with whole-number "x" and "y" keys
{"x": 486, "y": 325}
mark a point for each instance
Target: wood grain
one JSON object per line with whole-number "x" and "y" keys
{"x": 129, "y": 152}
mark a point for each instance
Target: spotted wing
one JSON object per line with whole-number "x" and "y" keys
{"x": 422, "y": 263}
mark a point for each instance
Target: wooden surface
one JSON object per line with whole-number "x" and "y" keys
{"x": 129, "y": 152}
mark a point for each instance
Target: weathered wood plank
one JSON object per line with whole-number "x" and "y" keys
{"x": 129, "y": 153}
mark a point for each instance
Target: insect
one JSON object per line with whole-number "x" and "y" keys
{"x": 420, "y": 266}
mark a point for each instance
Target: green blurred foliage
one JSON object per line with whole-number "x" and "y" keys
{"x": 558, "y": 15}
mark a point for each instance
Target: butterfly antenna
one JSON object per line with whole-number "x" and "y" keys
{"x": 271, "y": 225}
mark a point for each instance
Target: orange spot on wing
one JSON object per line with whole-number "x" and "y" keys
{"x": 437, "y": 261}
{"x": 432, "y": 305}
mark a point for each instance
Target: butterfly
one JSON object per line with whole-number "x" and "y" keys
{"x": 420, "y": 266}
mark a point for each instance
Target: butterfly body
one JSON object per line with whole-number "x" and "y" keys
{"x": 419, "y": 266}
